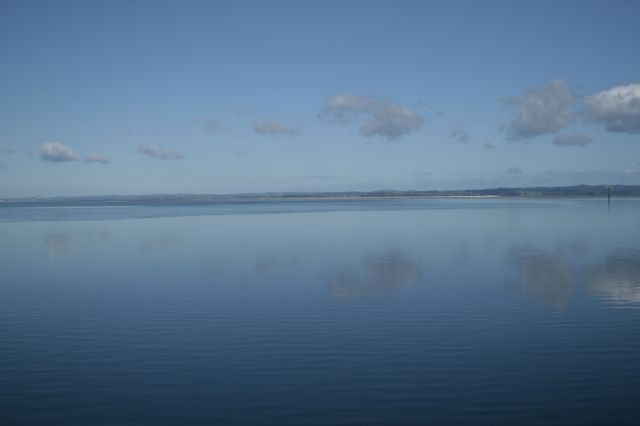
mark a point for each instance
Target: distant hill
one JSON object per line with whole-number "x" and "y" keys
{"x": 554, "y": 191}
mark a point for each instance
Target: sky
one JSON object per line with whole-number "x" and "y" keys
{"x": 148, "y": 97}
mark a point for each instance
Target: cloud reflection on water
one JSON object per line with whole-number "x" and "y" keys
{"x": 378, "y": 273}
{"x": 617, "y": 279}
{"x": 59, "y": 243}
{"x": 554, "y": 276}
{"x": 546, "y": 276}
{"x": 162, "y": 241}
{"x": 56, "y": 245}
{"x": 275, "y": 264}
{"x": 550, "y": 276}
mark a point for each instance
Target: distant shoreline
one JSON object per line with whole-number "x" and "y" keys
{"x": 576, "y": 191}
{"x": 168, "y": 201}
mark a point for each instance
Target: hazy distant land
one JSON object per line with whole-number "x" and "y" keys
{"x": 557, "y": 191}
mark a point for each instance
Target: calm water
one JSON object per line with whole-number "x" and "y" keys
{"x": 483, "y": 311}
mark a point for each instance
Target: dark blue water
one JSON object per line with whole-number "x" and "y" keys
{"x": 395, "y": 312}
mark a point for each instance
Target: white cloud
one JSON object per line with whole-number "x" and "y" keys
{"x": 56, "y": 152}
{"x": 617, "y": 108}
{"x": 270, "y": 128}
{"x": 545, "y": 109}
{"x": 460, "y": 135}
{"x": 211, "y": 123}
{"x": 345, "y": 108}
{"x": 385, "y": 118}
{"x": 572, "y": 139}
{"x": 154, "y": 152}
{"x": 97, "y": 158}
{"x": 391, "y": 122}
{"x": 489, "y": 146}
{"x": 319, "y": 177}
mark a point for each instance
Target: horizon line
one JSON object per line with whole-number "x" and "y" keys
{"x": 327, "y": 194}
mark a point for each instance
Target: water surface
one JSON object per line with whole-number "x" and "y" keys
{"x": 433, "y": 311}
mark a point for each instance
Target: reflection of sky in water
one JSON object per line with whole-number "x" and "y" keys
{"x": 617, "y": 279}
{"x": 276, "y": 263}
{"x": 56, "y": 245}
{"x": 461, "y": 254}
{"x": 442, "y": 300}
{"x": 376, "y": 273}
{"x": 161, "y": 241}
{"x": 545, "y": 276}
{"x": 554, "y": 255}
{"x": 553, "y": 277}
{"x": 549, "y": 275}
{"x": 61, "y": 242}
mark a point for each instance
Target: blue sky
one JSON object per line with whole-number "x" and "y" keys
{"x": 136, "y": 97}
